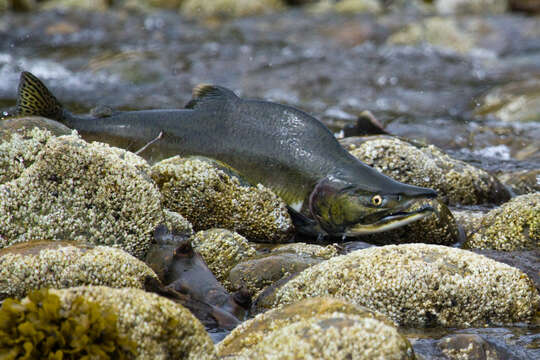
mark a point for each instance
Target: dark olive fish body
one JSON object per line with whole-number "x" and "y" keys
{"x": 327, "y": 189}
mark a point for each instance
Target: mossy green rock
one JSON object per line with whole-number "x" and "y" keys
{"x": 347, "y": 6}
{"x": 209, "y": 197}
{"x": 161, "y": 328}
{"x": 421, "y": 285}
{"x": 426, "y": 165}
{"x": 96, "y": 5}
{"x": 221, "y": 250}
{"x": 81, "y": 191}
{"x": 281, "y": 261}
{"x": 39, "y": 328}
{"x": 56, "y": 264}
{"x": 229, "y": 8}
{"x": 321, "y": 328}
{"x": 512, "y": 226}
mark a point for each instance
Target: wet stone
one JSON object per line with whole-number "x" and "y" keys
{"x": 469, "y": 346}
{"x": 37, "y": 264}
{"x": 469, "y": 220}
{"x": 87, "y": 192}
{"x": 426, "y": 165}
{"x": 522, "y": 182}
{"x": 209, "y": 197}
{"x": 420, "y": 285}
{"x": 229, "y": 8}
{"x": 514, "y": 225}
{"x": 257, "y": 273}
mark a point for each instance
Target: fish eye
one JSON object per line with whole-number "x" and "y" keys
{"x": 376, "y": 200}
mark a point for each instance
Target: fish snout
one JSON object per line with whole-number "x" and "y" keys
{"x": 416, "y": 192}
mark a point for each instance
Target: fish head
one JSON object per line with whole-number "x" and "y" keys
{"x": 344, "y": 208}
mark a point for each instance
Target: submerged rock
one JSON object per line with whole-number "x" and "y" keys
{"x": 514, "y": 225}
{"x": 513, "y": 102}
{"x": 421, "y": 285}
{"x": 437, "y": 31}
{"x": 322, "y": 328}
{"x": 209, "y": 197}
{"x": 222, "y": 249}
{"x": 87, "y": 192}
{"x": 283, "y": 260}
{"x": 469, "y": 346}
{"x": 38, "y": 264}
{"x": 469, "y": 220}
{"x": 229, "y": 8}
{"x": 522, "y": 182}
{"x": 456, "y": 181}
{"x": 161, "y": 328}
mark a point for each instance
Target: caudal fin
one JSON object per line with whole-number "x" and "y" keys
{"x": 35, "y": 99}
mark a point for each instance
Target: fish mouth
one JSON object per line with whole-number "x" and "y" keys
{"x": 390, "y": 221}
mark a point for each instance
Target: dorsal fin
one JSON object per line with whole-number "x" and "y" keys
{"x": 35, "y": 99}
{"x": 206, "y": 94}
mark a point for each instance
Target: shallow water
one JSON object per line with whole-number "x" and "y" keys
{"x": 332, "y": 66}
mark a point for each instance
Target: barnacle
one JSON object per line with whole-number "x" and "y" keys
{"x": 40, "y": 327}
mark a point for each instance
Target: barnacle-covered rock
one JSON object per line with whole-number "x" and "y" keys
{"x": 322, "y": 328}
{"x": 19, "y": 147}
{"x": 421, "y": 285}
{"x": 513, "y": 226}
{"x": 57, "y": 264}
{"x": 246, "y": 336}
{"x": 42, "y": 327}
{"x": 177, "y": 223}
{"x": 456, "y": 181}
{"x": 229, "y": 8}
{"x": 469, "y": 220}
{"x": 222, "y": 249}
{"x": 81, "y": 191}
{"x": 160, "y": 328}
{"x": 281, "y": 261}
{"x": 210, "y": 197}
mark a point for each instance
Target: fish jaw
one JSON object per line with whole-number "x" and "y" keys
{"x": 389, "y": 222}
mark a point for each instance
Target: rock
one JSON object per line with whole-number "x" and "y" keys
{"x": 513, "y": 226}
{"x": 322, "y": 328}
{"x": 526, "y": 261}
{"x": 161, "y": 328}
{"x": 96, "y": 5}
{"x": 177, "y": 223}
{"x": 24, "y": 125}
{"x": 421, "y": 285}
{"x": 469, "y": 346}
{"x": 522, "y": 182}
{"x": 347, "y": 6}
{"x": 517, "y": 101}
{"x": 229, "y": 8}
{"x": 529, "y": 6}
{"x": 23, "y": 5}
{"x": 283, "y": 260}
{"x": 19, "y": 149}
{"x": 471, "y": 6}
{"x": 456, "y": 181}
{"x": 85, "y": 192}
{"x": 469, "y": 220}
{"x": 38, "y": 264}
{"x": 222, "y": 250}
{"x": 437, "y": 31}
{"x": 245, "y": 337}
{"x": 206, "y": 195}
{"x": 438, "y": 228}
